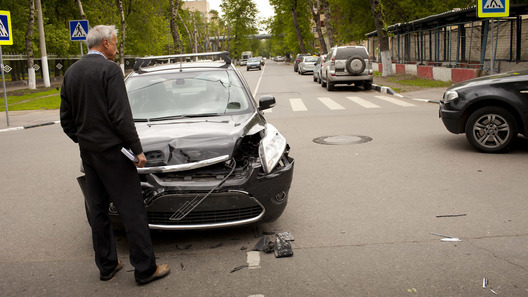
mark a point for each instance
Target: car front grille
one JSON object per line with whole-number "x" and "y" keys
{"x": 207, "y": 217}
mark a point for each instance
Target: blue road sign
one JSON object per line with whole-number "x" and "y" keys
{"x": 78, "y": 30}
{"x": 6, "y": 36}
{"x": 493, "y": 8}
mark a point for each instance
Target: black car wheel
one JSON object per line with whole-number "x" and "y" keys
{"x": 329, "y": 85}
{"x": 367, "y": 86}
{"x": 491, "y": 129}
{"x": 355, "y": 65}
{"x": 323, "y": 83}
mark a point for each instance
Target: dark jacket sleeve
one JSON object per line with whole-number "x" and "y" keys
{"x": 120, "y": 112}
{"x": 67, "y": 116}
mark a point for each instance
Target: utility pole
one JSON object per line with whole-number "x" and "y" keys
{"x": 43, "y": 54}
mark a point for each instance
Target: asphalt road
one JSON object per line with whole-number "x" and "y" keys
{"x": 361, "y": 214}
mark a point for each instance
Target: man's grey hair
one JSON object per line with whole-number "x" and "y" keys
{"x": 98, "y": 33}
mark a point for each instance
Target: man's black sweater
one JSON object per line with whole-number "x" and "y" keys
{"x": 94, "y": 110}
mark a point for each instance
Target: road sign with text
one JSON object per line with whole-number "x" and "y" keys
{"x": 6, "y": 35}
{"x": 493, "y": 8}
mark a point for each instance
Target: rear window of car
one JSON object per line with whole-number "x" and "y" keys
{"x": 310, "y": 59}
{"x": 347, "y": 52}
{"x": 186, "y": 94}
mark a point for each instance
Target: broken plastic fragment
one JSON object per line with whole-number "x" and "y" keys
{"x": 264, "y": 245}
{"x": 450, "y": 239}
{"x": 283, "y": 248}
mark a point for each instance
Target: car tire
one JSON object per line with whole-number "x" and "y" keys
{"x": 491, "y": 129}
{"x": 247, "y": 69}
{"x": 314, "y": 78}
{"x": 329, "y": 85}
{"x": 323, "y": 83}
{"x": 367, "y": 86}
{"x": 355, "y": 65}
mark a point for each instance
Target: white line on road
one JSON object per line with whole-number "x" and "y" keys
{"x": 330, "y": 103}
{"x": 395, "y": 101}
{"x": 297, "y": 104}
{"x": 363, "y": 102}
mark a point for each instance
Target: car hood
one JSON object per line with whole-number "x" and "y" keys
{"x": 492, "y": 79}
{"x": 189, "y": 140}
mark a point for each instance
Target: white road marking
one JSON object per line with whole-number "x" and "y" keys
{"x": 331, "y": 104}
{"x": 297, "y": 104}
{"x": 363, "y": 102}
{"x": 395, "y": 101}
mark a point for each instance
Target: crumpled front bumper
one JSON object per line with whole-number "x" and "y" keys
{"x": 251, "y": 196}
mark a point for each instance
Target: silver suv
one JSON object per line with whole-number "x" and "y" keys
{"x": 347, "y": 65}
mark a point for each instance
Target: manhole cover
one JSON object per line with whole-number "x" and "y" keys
{"x": 342, "y": 139}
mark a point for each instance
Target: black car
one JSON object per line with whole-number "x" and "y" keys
{"x": 212, "y": 159}
{"x": 491, "y": 110}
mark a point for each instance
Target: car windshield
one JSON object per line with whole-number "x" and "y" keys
{"x": 253, "y": 60}
{"x": 310, "y": 59}
{"x": 160, "y": 96}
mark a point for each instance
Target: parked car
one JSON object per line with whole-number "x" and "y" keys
{"x": 317, "y": 69}
{"x": 212, "y": 159}
{"x": 279, "y": 59}
{"x": 297, "y": 60}
{"x": 253, "y": 63}
{"x": 347, "y": 65}
{"x": 492, "y": 110}
{"x": 307, "y": 64}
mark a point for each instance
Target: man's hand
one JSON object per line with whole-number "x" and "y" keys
{"x": 142, "y": 160}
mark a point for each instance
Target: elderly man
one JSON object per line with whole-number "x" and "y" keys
{"x": 95, "y": 113}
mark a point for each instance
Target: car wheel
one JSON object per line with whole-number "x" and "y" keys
{"x": 323, "y": 83}
{"x": 355, "y": 65}
{"x": 329, "y": 85}
{"x": 367, "y": 86}
{"x": 491, "y": 129}
{"x": 314, "y": 78}
{"x": 247, "y": 69}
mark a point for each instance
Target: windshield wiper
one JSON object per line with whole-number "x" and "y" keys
{"x": 199, "y": 115}
{"x": 166, "y": 118}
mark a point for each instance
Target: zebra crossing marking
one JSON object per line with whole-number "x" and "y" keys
{"x": 331, "y": 104}
{"x": 297, "y": 104}
{"x": 363, "y": 102}
{"x": 395, "y": 101}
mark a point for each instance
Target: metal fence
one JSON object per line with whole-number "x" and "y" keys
{"x": 459, "y": 39}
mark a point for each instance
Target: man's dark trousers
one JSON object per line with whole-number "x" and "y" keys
{"x": 111, "y": 177}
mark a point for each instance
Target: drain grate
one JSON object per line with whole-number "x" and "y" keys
{"x": 342, "y": 139}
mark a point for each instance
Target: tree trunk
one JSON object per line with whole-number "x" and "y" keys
{"x": 32, "y": 82}
{"x": 122, "y": 43}
{"x": 174, "y": 29}
{"x": 386, "y": 59}
{"x": 79, "y": 4}
{"x": 189, "y": 35}
{"x": 298, "y": 31}
{"x": 328, "y": 23}
{"x": 317, "y": 20}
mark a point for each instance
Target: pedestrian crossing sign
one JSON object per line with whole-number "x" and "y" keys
{"x": 493, "y": 8}
{"x": 78, "y": 30}
{"x": 6, "y": 35}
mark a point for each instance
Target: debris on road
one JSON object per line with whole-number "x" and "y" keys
{"x": 446, "y": 238}
{"x": 451, "y": 215}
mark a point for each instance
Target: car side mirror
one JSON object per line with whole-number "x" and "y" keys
{"x": 266, "y": 102}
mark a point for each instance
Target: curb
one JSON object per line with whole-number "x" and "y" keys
{"x": 29, "y": 126}
{"x": 388, "y": 90}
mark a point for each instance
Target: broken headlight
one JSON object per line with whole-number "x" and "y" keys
{"x": 271, "y": 148}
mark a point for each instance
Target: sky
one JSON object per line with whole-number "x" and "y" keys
{"x": 265, "y": 10}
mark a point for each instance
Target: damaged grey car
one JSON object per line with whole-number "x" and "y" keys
{"x": 212, "y": 159}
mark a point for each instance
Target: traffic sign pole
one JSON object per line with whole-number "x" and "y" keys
{"x": 4, "y": 85}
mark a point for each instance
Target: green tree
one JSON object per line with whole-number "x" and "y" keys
{"x": 241, "y": 17}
